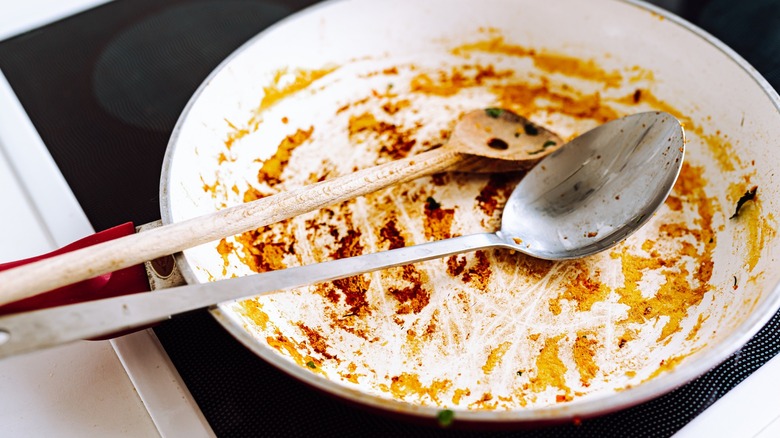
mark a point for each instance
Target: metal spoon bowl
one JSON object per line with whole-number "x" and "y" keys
{"x": 582, "y": 199}
{"x": 597, "y": 190}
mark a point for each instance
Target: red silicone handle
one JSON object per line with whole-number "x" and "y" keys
{"x": 123, "y": 282}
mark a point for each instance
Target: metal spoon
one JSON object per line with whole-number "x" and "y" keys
{"x": 491, "y": 140}
{"x": 582, "y": 199}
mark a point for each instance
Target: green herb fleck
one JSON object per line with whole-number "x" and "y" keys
{"x": 517, "y": 134}
{"x": 494, "y": 112}
{"x": 431, "y": 204}
{"x": 531, "y": 129}
{"x": 546, "y": 145}
{"x": 748, "y": 196}
{"x": 311, "y": 364}
{"x": 445, "y": 417}
{"x": 519, "y": 373}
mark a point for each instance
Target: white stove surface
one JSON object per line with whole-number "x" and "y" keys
{"x": 128, "y": 386}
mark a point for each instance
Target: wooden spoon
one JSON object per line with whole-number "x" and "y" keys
{"x": 490, "y": 140}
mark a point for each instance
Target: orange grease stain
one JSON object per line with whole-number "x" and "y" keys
{"x": 584, "y": 350}
{"x": 407, "y": 384}
{"x": 678, "y": 293}
{"x": 546, "y": 61}
{"x": 550, "y": 369}
{"x": 495, "y": 356}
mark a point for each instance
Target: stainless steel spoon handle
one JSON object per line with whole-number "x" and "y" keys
{"x": 45, "y": 328}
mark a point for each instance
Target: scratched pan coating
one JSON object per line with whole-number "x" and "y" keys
{"x": 494, "y": 336}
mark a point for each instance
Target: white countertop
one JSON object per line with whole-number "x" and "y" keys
{"x": 77, "y": 390}
{"x": 127, "y": 387}
{"x": 80, "y": 389}
{"x": 123, "y": 387}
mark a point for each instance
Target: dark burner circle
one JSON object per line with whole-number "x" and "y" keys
{"x": 148, "y": 72}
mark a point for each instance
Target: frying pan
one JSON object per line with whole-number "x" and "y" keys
{"x": 492, "y": 337}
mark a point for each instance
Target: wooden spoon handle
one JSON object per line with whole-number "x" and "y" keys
{"x": 47, "y": 274}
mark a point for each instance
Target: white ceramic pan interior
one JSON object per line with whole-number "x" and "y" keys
{"x": 493, "y": 335}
